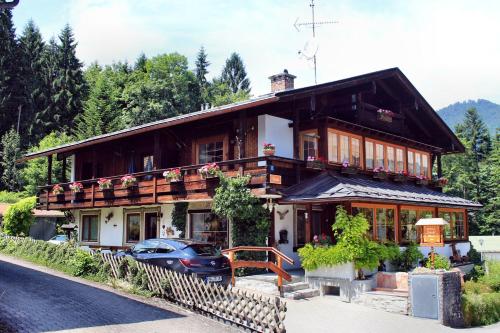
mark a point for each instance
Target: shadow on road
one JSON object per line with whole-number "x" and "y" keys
{"x": 35, "y": 301}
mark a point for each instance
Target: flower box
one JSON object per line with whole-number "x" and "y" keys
{"x": 385, "y": 115}
{"x": 399, "y": 177}
{"x": 379, "y": 173}
{"x": 78, "y": 196}
{"x": 105, "y": 184}
{"x": 422, "y": 181}
{"x": 129, "y": 182}
{"x": 440, "y": 183}
{"x": 58, "y": 191}
{"x": 268, "y": 149}
{"x": 349, "y": 170}
{"x": 315, "y": 163}
{"x": 173, "y": 175}
{"x": 60, "y": 197}
{"x": 108, "y": 193}
{"x": 208, "y": 171}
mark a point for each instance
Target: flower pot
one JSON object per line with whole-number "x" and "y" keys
{"x": 316, "y": 165}
{"x": 212, "y": 183}
{"x": 60, "y": 197}
{"x": 381, "y": 175}
{"x": 174, "y": 180}
{"x": 349, "y": 170}
{"x": 269, "y": 152}
{"x": 132, "y": 189}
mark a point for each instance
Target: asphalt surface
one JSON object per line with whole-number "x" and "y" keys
{"x": 36, "y": 301}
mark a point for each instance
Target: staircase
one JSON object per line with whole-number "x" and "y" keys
{"x": 299, "y": 290}
{"x": 390, "y": 301}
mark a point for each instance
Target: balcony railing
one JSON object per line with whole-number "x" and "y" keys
{"x": 268, "y": 175}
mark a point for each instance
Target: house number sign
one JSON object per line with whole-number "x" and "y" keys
{"x": 432, "y": 235}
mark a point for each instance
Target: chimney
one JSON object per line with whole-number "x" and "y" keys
{"x": 282, "y": 81}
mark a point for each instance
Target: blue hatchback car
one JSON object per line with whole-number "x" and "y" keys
{"x": 202, "y": 260}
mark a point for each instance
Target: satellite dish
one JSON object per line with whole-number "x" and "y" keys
{"x": 310, "y": 49}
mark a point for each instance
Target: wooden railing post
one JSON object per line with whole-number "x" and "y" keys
{"x": 280, "y": 278}
{"x": 231, "y": 260}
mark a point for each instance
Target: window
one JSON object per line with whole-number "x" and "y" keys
{"x": 369, "y": 154}
{"x": 208, "y": 227}
{"x": 211, "y": 152}
{"x": 133, "y": 227}
{"x": 309, "y": 145}
{"x": 391, "y": 166}
{"x": 418, "y": 163}
{"x": 368, "y": 214}
{"x": 408, "y": 218}
{"x": 381, "y": 219}
{"x": 147, "y": 163}
{"x": 300, "y": 227}
{"x": 456, "y": 227}
{"x": 400, "y": 163}
{"x": 90, "y": 228}
{"x": 344, "y": 147}
{"x": 379, "y": 155}
{"x": 411, "y": 165}
{"x": 355, "y": 152}
{"x": 385, "y": 224}
{"x": 333, "y": 147}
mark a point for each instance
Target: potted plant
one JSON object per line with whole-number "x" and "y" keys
{"x": 400, "y": 176}
{"x": 268, "y": 149}
{"x": 379, "y": 173}
{"x": 316, "y": 163}
{"x": 77, "y": 189}
{"x": 173, "y": 175}
{"x": 209, "y": 170}
{"x": 129, "y": 183}
{"x": 385, "y": 115}
{"x": 58, "y": 191}
{"x": 348, "y": 169}
{"x": 106, "y": 186}
{"x": 422, "y": 180}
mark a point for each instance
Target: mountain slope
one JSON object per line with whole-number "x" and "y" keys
{"x": 488, "y": 111}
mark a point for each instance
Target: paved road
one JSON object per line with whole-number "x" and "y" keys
{"x": 35, "y": 301}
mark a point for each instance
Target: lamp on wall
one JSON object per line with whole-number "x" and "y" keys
{"x": 108, "y": 217}
{"x": 270, "y": 203}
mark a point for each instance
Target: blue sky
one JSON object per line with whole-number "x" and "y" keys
{"x": 448, "y": 49}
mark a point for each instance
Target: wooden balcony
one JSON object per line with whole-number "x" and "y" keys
{"x": 268, "y": 174}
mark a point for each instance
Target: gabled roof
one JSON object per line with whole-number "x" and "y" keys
{"x": 330, "y": 186}
{"x": 255, "y": 102}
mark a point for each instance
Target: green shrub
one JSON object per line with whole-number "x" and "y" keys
{"x": 19, "y": 217}
{"x": 440, "y": 262}
{"x": 409, "y": 258}
{"x": 472, "y": 287}
{"x": 11, "y": 197}
{"x": 481, "y": 309}
{"x": 492, "y": 278}
{"x": 476, "y": 273}
{"x": 83, "y": 263}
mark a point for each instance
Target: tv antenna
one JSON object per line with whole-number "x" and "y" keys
{"x": 311, "y": 46}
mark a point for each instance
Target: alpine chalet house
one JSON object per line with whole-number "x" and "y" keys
{"x": 370, "y": 143}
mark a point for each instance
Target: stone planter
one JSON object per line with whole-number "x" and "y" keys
{"x": 339, "y": 276}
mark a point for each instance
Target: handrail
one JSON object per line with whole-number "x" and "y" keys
{"x": 258, "y": 249}
{"x": 187, "y": 168}
{"x": 276, "y": 268}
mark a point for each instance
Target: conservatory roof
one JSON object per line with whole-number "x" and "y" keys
{"x": 331, "y": 186}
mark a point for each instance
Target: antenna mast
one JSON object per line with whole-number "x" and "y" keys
{"x": 313, "y": 25}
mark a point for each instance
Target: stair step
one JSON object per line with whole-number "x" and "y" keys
{"x": 295, "y": 286}
{"x": 301, "y": 294}
{"x": 387, "y": 301}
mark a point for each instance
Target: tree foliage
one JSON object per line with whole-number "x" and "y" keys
{"x": 19, "y": 217}
{"x": 234, "y": 74}
{"x": 11, "y": 152}
{"x": 179, "y": 214}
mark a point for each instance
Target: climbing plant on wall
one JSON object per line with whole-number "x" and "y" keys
{"x": 179, "y": 217}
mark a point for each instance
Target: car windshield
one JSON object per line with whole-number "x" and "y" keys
{"x": 60, "y": 238}
{"x": 203, "y": 249}
{"x": 145, "y": 247}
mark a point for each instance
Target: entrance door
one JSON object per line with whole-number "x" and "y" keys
{"x": 150, "y": 225}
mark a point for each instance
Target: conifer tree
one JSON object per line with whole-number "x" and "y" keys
{"x": 140, "y": 63}
{"x": 201, "y": 72}
{"x": 32, "y": 73}
{"x": 69, "y": 84}
{"x": 47, "y": 119}
{"x": 234, "y": 74}
{"x": 11, "y": 151}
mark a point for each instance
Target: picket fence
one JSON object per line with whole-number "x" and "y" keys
{"x": 255, "y": 312}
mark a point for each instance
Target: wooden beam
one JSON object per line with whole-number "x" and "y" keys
{"x": 309, "y": 223}
{"x": 156, "y": 151}
{"x": 49, "y": 170}
{"x": 63, "y": 172}
{"x": 242, "y": 133}
{"x": 439, "y": 166}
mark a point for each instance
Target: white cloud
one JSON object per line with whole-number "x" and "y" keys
{"x": 447, "y": 49}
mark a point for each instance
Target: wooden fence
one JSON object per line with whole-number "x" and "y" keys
{"x": 255, "y": 312}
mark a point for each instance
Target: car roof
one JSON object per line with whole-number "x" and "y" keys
{"x": 178, "y": 243}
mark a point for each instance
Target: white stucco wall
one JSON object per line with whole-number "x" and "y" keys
{"x": 275, "y": 130}
{"x": 446, "y": 251}
{"x": 286, "y": 224}
{"x": 111, "y": 232}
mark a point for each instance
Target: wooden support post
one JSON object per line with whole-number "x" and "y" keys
{"x": 309, "y": 223}
{"x": 157, "y": 152}
{"x": 231, "y": 260}
{"x": 242, "y": 134}
{"x": 397, "y": 225}
{"x": 94, "y": 165}
{"x": 92, "y": 200}
{"x": 49, "y": 170}
{"x": 280, "y": 278}
{"x": 439, "y": 166}
{"x": 63, "y": 175}
{"x": 323, "y": 138}
{"x": 155, "y": 189}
